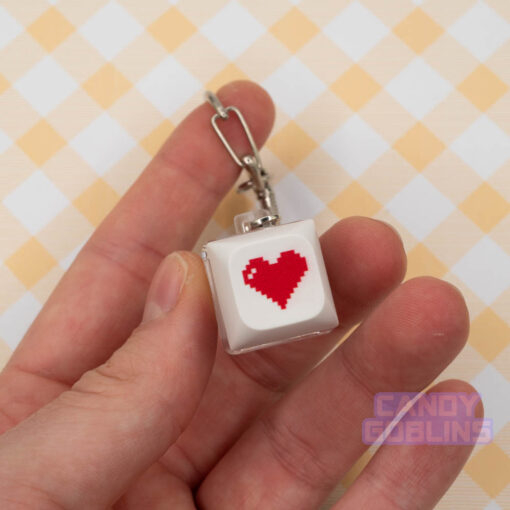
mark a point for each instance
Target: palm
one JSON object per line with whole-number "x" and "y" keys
{"x": 175, "y": 422}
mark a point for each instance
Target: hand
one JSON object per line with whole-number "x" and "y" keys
{"x": 118, "y": 395}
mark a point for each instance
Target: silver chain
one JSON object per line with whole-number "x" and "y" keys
{"x": 259, "y": 178}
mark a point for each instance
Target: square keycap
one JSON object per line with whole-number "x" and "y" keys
{"x": 270, "y": 286}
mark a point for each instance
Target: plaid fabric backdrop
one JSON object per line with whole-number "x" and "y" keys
{"x": 398, "y": 110}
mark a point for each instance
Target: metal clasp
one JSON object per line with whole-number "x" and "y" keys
{"x": 259, "y": 178}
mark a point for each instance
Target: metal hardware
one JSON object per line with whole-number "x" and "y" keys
{"x": 259, "y": 178}
{"x": 264, "y": 220}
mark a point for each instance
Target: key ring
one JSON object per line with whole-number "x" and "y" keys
{"x": 268, "y": 280}
{"x": 259, "y": 178}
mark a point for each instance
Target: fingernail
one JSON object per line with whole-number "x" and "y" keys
{"x": 166, "y": 287}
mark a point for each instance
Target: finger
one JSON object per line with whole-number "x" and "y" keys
{"x": 296, "y": 453}
{"x": 365, "y": 260}
{"x": 410, "y": 477}
{"x": 119, "y": 418}
{"x": 157, "y": 489}
{"x": 100, "y": 299}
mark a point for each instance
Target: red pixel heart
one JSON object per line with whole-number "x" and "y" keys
{"x": 276, "y": 281}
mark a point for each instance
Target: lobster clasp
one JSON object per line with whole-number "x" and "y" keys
{"x": 259, "y": 178}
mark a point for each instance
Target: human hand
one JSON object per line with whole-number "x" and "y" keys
{"x": 99, "y": 408}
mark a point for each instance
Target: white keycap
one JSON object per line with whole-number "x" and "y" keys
{"x": 269, "y": 286}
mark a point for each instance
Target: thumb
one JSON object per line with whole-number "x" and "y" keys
{"x": 122, "y": 416}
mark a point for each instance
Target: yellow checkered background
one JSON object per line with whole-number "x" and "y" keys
{"x": 398, "y": 110}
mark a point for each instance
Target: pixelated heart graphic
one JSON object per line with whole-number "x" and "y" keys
{"x": 276, "y": 281}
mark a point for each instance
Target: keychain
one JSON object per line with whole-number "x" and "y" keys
{"x": 268, "y": 281}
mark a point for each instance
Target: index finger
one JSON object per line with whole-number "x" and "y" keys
{"x": 100, "y": 300}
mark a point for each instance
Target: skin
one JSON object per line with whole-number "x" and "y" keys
{"x": 101, "y": 409}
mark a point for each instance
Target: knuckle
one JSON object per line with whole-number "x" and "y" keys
{"x": 129, "y": 380}
{"x": 297, "y": 455}
{"x": 118, "y": 380}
